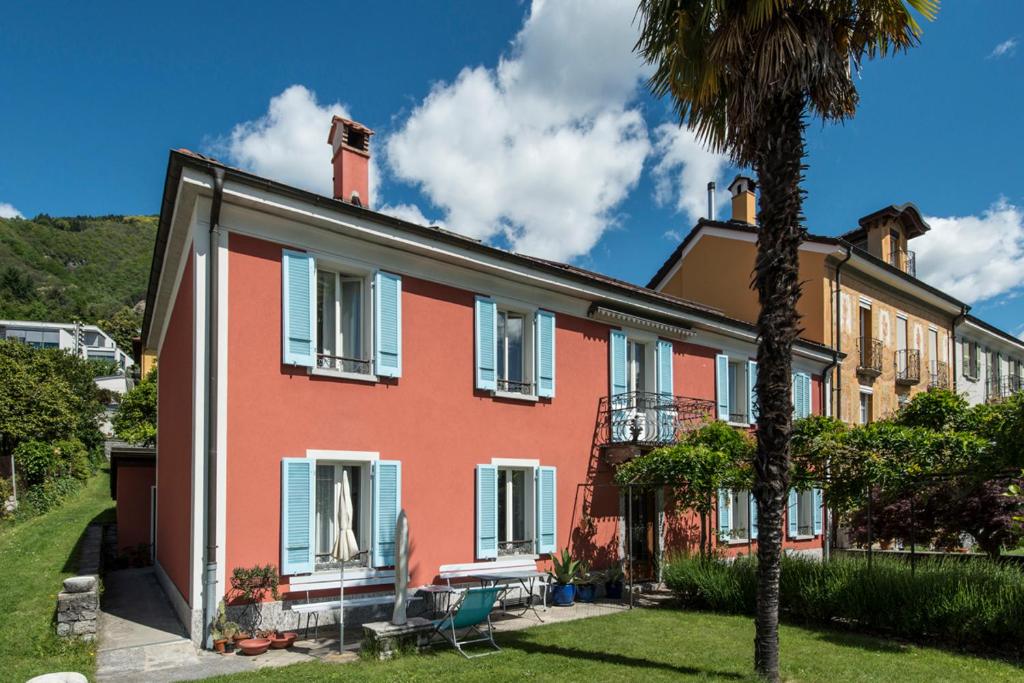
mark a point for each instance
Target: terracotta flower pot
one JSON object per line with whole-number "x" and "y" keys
{"x": 238, "y": 637}
{"x": 220, "y": 645}
{"x": 254, "y": 646}
{"x": 279, "y": 641}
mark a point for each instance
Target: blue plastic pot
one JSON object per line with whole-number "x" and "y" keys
{"x": 586, "y": 592}
{"x": 563, "y": 595}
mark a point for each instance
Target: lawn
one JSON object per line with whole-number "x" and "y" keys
{"x": 35, "y": 556}
{"x": 664, "y": 644}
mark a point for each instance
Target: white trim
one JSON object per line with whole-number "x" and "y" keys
{"x": 338, "y": 374}
{"x": 352, "y": 456}
{"x": 223, "y": 258}
{"x": 515, "y": 462}
{"x": 866, "y": 390}
{"x": 512, "y": 396}
{"x": 357, "y": 576}
{"x": 901, "y": 315}
{"x": 865, "y": 302}
{"x": 200, "y": 321}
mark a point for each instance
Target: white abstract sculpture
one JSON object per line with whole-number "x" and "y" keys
{"x": 401, "y": 568}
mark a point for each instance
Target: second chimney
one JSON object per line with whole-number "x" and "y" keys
{"x": 350, "y": 142}
{"x": 744, "y": 204}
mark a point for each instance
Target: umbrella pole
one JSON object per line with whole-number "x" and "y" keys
{"x": 341, "y": 612}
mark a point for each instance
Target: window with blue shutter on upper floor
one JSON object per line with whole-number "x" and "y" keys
{"x": 515, "y": 349}
{"x": 735, "y": 382}
{"x": 340, "y": 319}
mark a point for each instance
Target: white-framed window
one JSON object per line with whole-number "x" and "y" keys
{"x": 342, "y": 321}
{"x": 865, "y": 407}
{"x": 515, "y": 342}
{"x": 737, "y": 516}
{"x": 516, "y": 504}
{"x": 325, "y": 517}
{"x": 739, "y": 393}
{"x": 805, "y": 513}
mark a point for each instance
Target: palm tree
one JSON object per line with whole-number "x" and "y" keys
{"x": 744, "y": 75}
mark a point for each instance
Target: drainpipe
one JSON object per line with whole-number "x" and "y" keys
{"x": 210, "y": 600}
{"x": 838, "y": 408}
{"x": 825, "y": 545}
{"x": 956, "y": 323}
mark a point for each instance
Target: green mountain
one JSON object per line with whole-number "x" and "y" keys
{"x": 89, "y": 268}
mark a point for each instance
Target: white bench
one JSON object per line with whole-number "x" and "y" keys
{"x": 471, "y": 570}
{"x": 315, "y": 609}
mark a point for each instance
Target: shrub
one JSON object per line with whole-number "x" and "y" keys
{"x": 968, "y": 603}
{"x": 46, "y": 496}
{"x": 74, "y": 458}
{"x": 35, "y": 462}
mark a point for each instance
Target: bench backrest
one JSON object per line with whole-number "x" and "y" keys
{"x": 462, "y": 571}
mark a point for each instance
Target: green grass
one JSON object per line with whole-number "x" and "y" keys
{"x": 663, "y": 644}
{"x": 35, "y": 556}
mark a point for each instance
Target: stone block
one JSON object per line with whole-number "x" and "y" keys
{"x": 83, "y": 627}
{"x": 383, "y": 638}
{"x": 63, "y": 630}
{"x": 79, "y": 584}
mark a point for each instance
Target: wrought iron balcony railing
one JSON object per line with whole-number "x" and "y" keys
{"x": 908, "y": 366}
{"x": 510, "y": 386}
{"x": 1002, "y": 388}
{"x": 525, "y": 547}
{"x": 359, "y": 366}
{"x": 904, "y": 260}
{"x": 938, "y": 375}
{"x": 648, "y": 418}
{"x": 870, "y": 360}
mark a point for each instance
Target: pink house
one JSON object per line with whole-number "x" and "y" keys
{"x": 488, "y": 394}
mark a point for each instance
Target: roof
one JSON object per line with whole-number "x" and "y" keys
{"x": 989, "y": 327}
{"x": 840, "y": 242}
{"x": 908, "y": 214}
{"x": 181, "y": 158}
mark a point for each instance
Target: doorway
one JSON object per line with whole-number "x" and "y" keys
{"x": 641, "y": 525}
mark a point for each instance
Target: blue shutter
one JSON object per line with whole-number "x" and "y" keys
{"x": 724, "y": 521}
{"x": 752, "y": 389}
{"x": 793, "y": 514}
{"x": 722, "y": 386}
{"x": 544, "y": 324}
{"x": 387, "y": 312}
{"x": 486, "y": 343}
{"x": 818, "y": 512}
{"x": 387, "y": 502}
{"x": 546, "y": 509}
{"x": 298, "y": 308}
{"x": 617, "y": 373}
{"x": 794, "y": 391}
{"x": 805, "y": 383}
{"x": 666, "y": 399}
{"x": 752, "y": 503}
{"x": 486, "y": 511}
{"x": 297, "y": 482}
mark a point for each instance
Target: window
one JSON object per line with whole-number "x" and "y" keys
{"x": 804, "y": 513}
{"x": 738, "y": 392}
{"x": 515, "y": 516}
{"x": 512, "y": 372}
{"x": 737, "y": 515}
{"x": 901, "y": 343}
{"x": 865, "y": 407}
{"x": 328, "y": 497}
{"x": 636, "y": 368}
{"x": 970, "y": 359}
{"x": 340, "y": 325}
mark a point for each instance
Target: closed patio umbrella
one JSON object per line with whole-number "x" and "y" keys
{"x": 345, "y": 548}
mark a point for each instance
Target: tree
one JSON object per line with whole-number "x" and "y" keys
{"x": 135, "y": 420}
{"x": 744, "y": 75}
{"x": 122, "y": 327}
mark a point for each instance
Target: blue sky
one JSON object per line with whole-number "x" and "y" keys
{"x": 524, "y": 124}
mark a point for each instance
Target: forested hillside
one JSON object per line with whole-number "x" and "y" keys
{"x": 93, "y": 269}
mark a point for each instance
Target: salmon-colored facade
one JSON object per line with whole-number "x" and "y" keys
{"x": 433, "y": 418}
{"x": 134, "y": 483}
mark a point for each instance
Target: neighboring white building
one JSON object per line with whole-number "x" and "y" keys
{"x": 989, "y": 362}
{"x": 87, "y": 341}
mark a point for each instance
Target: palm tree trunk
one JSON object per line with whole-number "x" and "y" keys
{"x": 779, "y": 166}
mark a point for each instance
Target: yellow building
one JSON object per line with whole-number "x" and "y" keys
{"x": 860, "y": 296}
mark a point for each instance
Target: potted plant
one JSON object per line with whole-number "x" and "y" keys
{"x": 613, "y": 582}
{"x": 280, "y": 640}
{"x": 564, "y": 573}
{"x": 251, "y": 586}
{"x": 219, "y": 630}
{"x": 586, "y": 588}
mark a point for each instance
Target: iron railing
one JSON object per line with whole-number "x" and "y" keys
{"x": 525, "y": 547}
{"x": 938, "y": 375}
{"x": 510, "y": 386}
{"x": 649, "y": 419}
{"x": 908, "y": 366}
{"x": 870, "y": 360}
{"x": 1002, "y": 388}
{"x": 359, "y": 366}
{"x": 904, "y": 260}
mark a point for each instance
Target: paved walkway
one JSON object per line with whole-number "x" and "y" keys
{"x": 140, "y": 637}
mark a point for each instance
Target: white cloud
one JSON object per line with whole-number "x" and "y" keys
{"x": 542, "y": 148}
{"x": 1004, "y": 49}
{"x": 289, "y": 142}
{"x": 974, "y": 258}
{"x": 8, "y": 211}
{"x": 409, "y": 212}
{"x": 684, "y": 169}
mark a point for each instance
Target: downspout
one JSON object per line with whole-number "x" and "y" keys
{"x": 825, "y": 545}
{"x": 210, "y": 600}
{"x": 956, "y": 323}
{"x": 838, "y": 408}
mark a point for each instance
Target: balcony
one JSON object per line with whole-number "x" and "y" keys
{"x": 1001, "y": 388}
{"x": 904, "y": 260}
{"x": 647, "y": 419}
{"x": 869, "y": 362}
{"x": 908, "y": 366}
{"x": 938, "y": 375}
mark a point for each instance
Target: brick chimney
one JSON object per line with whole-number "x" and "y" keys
{"x": 350, "y": 142}
{"x": 744, "y": 204}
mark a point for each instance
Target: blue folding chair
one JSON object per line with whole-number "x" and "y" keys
{"x": 470, "y": 613}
